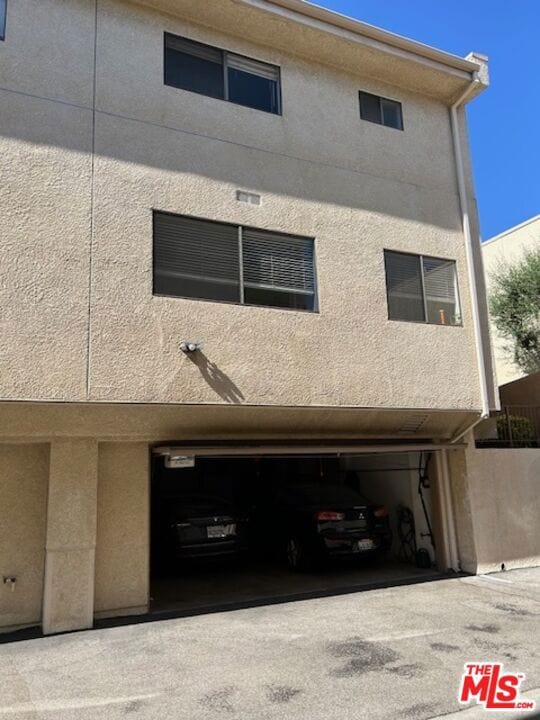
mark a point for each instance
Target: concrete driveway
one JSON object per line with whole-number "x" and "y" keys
{"x": 396, "y": 654}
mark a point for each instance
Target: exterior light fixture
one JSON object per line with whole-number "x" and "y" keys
{"x": 189, "y": 346}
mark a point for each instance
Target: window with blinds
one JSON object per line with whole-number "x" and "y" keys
{"x": 207, "y": 260}
{"x": 207, "y": 70}
{"x": 422, "y": 289}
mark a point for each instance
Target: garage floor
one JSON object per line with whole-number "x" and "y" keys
{"x": 254, "y": 583}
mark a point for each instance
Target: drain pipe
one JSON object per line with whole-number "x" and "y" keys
{"x": 464, "y": 205}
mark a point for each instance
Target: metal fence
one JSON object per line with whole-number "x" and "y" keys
{"x": 515, "y": 426}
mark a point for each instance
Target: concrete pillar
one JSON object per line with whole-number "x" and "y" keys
{"x": 68, "y": 595}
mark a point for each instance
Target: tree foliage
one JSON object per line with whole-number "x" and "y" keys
{"x": 515, "y": 307}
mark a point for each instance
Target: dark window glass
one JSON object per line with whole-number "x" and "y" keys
{"x": 404, "y": 287}
{"x": 381, "y": 111}
{"x": 440, "y": 284}
{"x": 3, "y": 8}
{"x": 278, "y": 298}
{"x": 201, "y": 68}
{"x": 201, "y": 259}
{"x": 278, "y": 270}
{"x": 195, "y": 258}
{"x": 253, "y": 91}
{"x": 370, "y": 107}
{"x": 391, "y": 114}
{"x": 422, "y": 289}
{"x": 194, "y": 66}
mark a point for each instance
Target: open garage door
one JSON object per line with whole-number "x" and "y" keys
{"x": 233, "y": 528}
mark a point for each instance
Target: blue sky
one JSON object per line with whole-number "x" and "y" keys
{"x": 504, "y": 122}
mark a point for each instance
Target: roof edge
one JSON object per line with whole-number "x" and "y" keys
{"x": 343, "y": 22}
{"x": 511, "y": 230}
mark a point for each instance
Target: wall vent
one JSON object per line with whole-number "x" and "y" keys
{"x": 413, "y": 424}
{"x": 248, "y": 197}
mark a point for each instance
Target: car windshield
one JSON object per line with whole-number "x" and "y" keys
{"x": 325, "y": 494}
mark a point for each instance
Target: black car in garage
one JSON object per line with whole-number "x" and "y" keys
{"x": 311, "y": 522}
{"x": 199, "y": 525}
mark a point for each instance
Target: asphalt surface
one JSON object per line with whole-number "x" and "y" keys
{"x": 396, "y": 653}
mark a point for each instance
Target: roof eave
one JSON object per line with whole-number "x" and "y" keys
{"x": 306, "y": 11}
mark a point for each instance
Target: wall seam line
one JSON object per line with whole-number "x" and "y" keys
{"x": 319, "y": 163}
{"x": 92, "y": 179}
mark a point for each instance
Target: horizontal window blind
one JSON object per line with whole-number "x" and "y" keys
{"x": 254, "y": 67}
{"x": 440, "y": 279}
{"x": 195, "y": 49}
{"x": 404, "y": 287}
{"x": 277, "y": 262}
{"x": 195, "y": 258}
{"x": 422, "y": 289}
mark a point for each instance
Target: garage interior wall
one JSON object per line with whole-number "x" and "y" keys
{"x": 122, "y": 544}
{"x": 392, "y": 480}
{"x": 24, "y": 472}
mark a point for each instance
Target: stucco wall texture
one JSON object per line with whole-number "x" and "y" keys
{"x": 122, "y": 542}
{"x": 78, "y": 235}
{"x": 24, "y": 473}
{"x": 496, "y": 506}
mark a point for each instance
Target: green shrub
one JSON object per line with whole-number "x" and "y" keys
{"x": 521, "y": 428}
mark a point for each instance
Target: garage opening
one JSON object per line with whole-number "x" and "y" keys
{"x": 245, "y": 530}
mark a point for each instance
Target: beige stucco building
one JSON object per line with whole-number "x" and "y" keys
{"x": 500, "y": 252}
{"x": 97, "y": 150}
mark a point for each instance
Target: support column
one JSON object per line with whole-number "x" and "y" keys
{"x": 68, "y": 595}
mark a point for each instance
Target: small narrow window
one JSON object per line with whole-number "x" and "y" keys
{"x": 207, "y": 70}
{"x": 3, "y": 9}
{"x": 422, "y": 289}
{"x": 381, "y": 110}
{"x": 196, "y": 258}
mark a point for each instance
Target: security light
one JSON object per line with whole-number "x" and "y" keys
{"x": 189, "y": 346}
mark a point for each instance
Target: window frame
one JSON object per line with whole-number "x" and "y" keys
{"x": 241, "y": 303}
{"x": 420, "y": 257}
{"x": 380, "y": 100}
{"x": 3, "y": 21}
{"x": 225, "y": 54}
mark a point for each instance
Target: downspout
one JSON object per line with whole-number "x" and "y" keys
{"x": 453, "y": 547}
{"x": 464, "y": 206}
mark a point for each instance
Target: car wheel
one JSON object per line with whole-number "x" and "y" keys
{"x": 297, "y": 557}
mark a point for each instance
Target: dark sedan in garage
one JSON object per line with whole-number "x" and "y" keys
{"x": 312, "y": 522}
{"x": 201, "y": 526}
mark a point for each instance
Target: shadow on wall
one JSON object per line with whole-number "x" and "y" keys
{"x": 311, "y": 178}
{"x": 219, "y": 381}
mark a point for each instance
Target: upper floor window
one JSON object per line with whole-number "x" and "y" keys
{"x": 381, "y": 110}
{"x": 196, "y": 258}
{"x": 207, "y": 70}
{"x": 422, "y": 289}
{"x": 3, "y": 8}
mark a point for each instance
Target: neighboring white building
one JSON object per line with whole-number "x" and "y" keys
{"x": 503, "y": 250}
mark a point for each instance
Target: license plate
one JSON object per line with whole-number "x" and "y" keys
{"x": 366, "y": 544}
{"x": 220, "y": 531}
